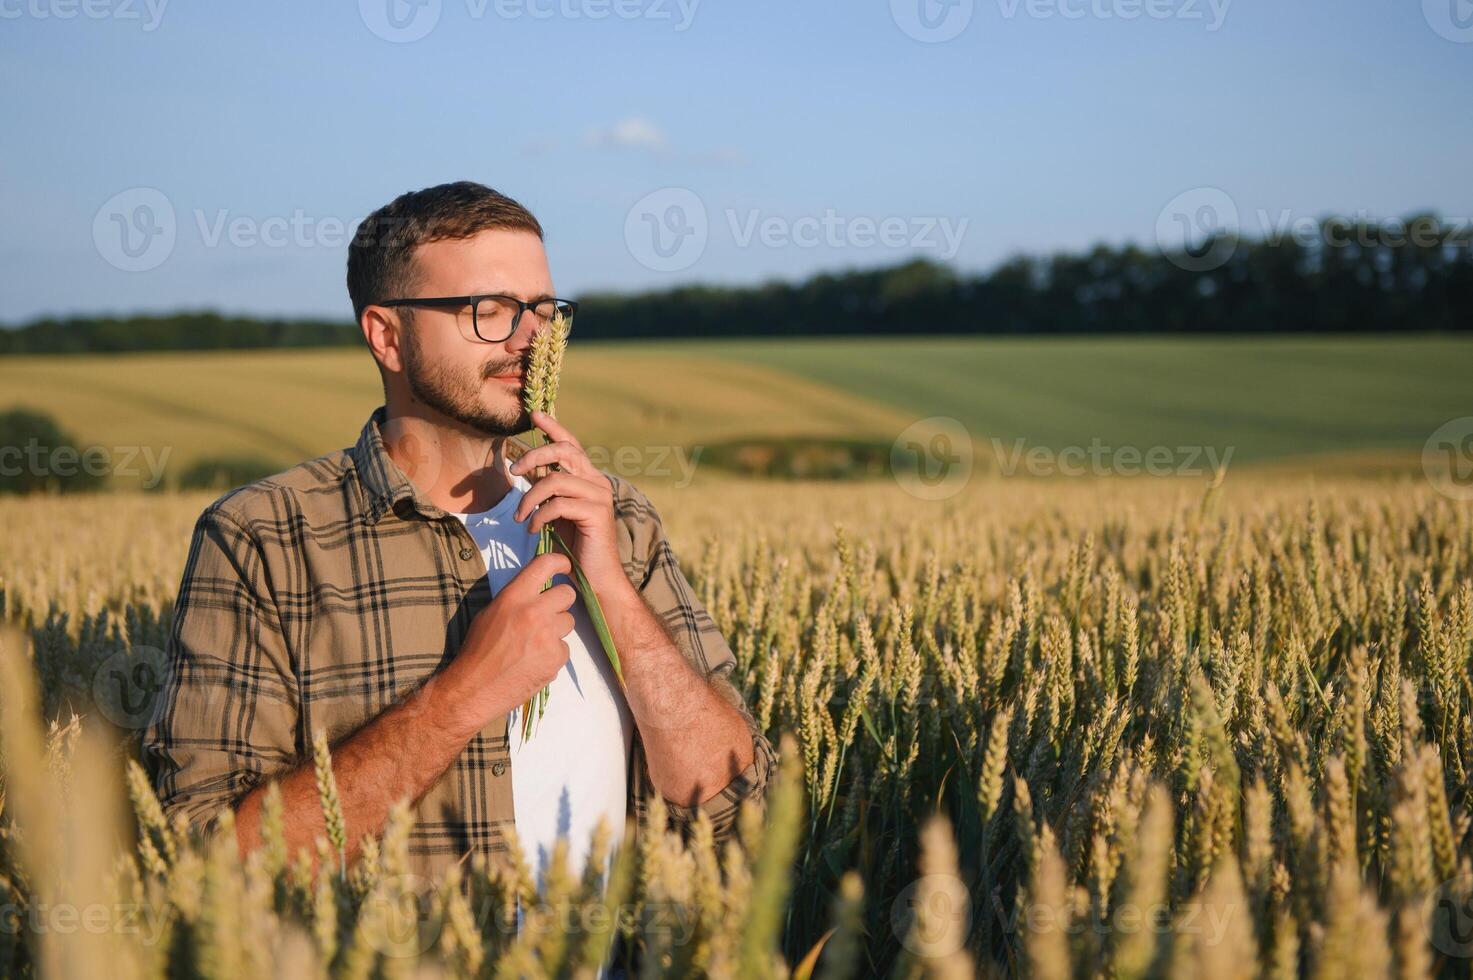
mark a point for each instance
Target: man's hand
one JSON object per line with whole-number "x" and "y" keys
{"x": 578, "y": 499}
{"x": 513, "y": 649}
{"x": 695, "y": 742}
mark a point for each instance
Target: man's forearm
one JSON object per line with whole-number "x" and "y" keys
{"x": 695, "y": 741}
{"x": 397, "y": 756}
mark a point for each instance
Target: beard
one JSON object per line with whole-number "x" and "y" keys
{"x": 458, "y": 391}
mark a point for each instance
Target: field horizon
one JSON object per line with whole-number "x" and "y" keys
{"x": 1297, "y": 404}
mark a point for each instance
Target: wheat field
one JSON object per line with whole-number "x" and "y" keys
{"x": 1368, "y": 403}
{"x": 1091, "y": 727}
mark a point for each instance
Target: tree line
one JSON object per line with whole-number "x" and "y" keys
{"x": 186, "y": 330}
{"x": 1343, "y": 276}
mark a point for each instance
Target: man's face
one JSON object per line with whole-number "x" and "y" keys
{"x": 446, "y": 365}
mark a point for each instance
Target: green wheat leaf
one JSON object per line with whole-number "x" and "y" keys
{"x": 595, "y": 611}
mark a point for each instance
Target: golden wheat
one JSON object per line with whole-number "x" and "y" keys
{"x": 1099, "y": 728}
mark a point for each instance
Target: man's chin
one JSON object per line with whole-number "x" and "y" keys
{"x": 488, "y": 421}
{"x": 508, "y": 416}
{"x": 502, "y": 423}
{"x": 497, "y": 411}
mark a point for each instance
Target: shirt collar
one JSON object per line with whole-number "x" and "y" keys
{"x": 384, "y": 483}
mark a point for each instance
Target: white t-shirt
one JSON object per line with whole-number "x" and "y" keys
{"x": 573, "y": 769}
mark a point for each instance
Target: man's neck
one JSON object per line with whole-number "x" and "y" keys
{"x": 456, "y": 467}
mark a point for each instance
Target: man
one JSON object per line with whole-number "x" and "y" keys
{"x": 387, "y": 595}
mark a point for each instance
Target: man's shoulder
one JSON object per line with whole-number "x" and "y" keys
{"x": 313, "y": 488}
{"x": 640, "y": 531}
{"x": 630, "y": 504}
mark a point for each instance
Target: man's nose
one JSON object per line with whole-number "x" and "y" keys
{"x": 521, "y": 337}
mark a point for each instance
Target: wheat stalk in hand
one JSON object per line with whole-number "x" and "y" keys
{"x": 539, "y": 394}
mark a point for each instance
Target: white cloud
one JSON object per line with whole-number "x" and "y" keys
{"x": 633, "y": 133}
{"x": 637, "y": 134}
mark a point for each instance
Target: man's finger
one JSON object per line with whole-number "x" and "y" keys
{"x": 555, "y": 430}
{"x": 562, "y": 508}
{"x": 559, "y": 598}
{"x": 563, "y": 486}
{"x": 568, "y": 457}
{"x": 539, "y": 570}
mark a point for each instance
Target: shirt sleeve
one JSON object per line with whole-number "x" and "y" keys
{"x": 654, "y": 568}
{"x": 229, "y": 707}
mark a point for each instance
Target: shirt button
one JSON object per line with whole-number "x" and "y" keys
{"x": 498, "y": 768}
{"x": 465, "y": 554}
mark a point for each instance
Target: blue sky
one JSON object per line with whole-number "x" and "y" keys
{"x": 212, "y": 155}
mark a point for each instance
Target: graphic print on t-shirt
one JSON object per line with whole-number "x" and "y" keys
{"x": 499, "y": 556}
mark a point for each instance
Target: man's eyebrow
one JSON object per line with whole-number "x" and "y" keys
{"x": 502, "y": 292}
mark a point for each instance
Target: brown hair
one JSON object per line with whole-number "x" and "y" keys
{"x": 381, "y": 254}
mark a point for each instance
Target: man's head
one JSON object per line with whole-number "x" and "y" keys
{"x": 455, "y": 239}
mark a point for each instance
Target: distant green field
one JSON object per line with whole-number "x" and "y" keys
{"x": 1267, "y": 397}
{"x": 1347, "y": 403}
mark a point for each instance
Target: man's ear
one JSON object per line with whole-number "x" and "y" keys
{"x": 383, "y": 331}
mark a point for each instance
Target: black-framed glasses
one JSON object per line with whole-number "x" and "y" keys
{"x": 494, "y": 316}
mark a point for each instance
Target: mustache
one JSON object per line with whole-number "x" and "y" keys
{"x": 513, "y": 366}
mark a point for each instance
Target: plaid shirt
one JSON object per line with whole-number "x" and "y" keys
{"x": 315, "y": 599}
